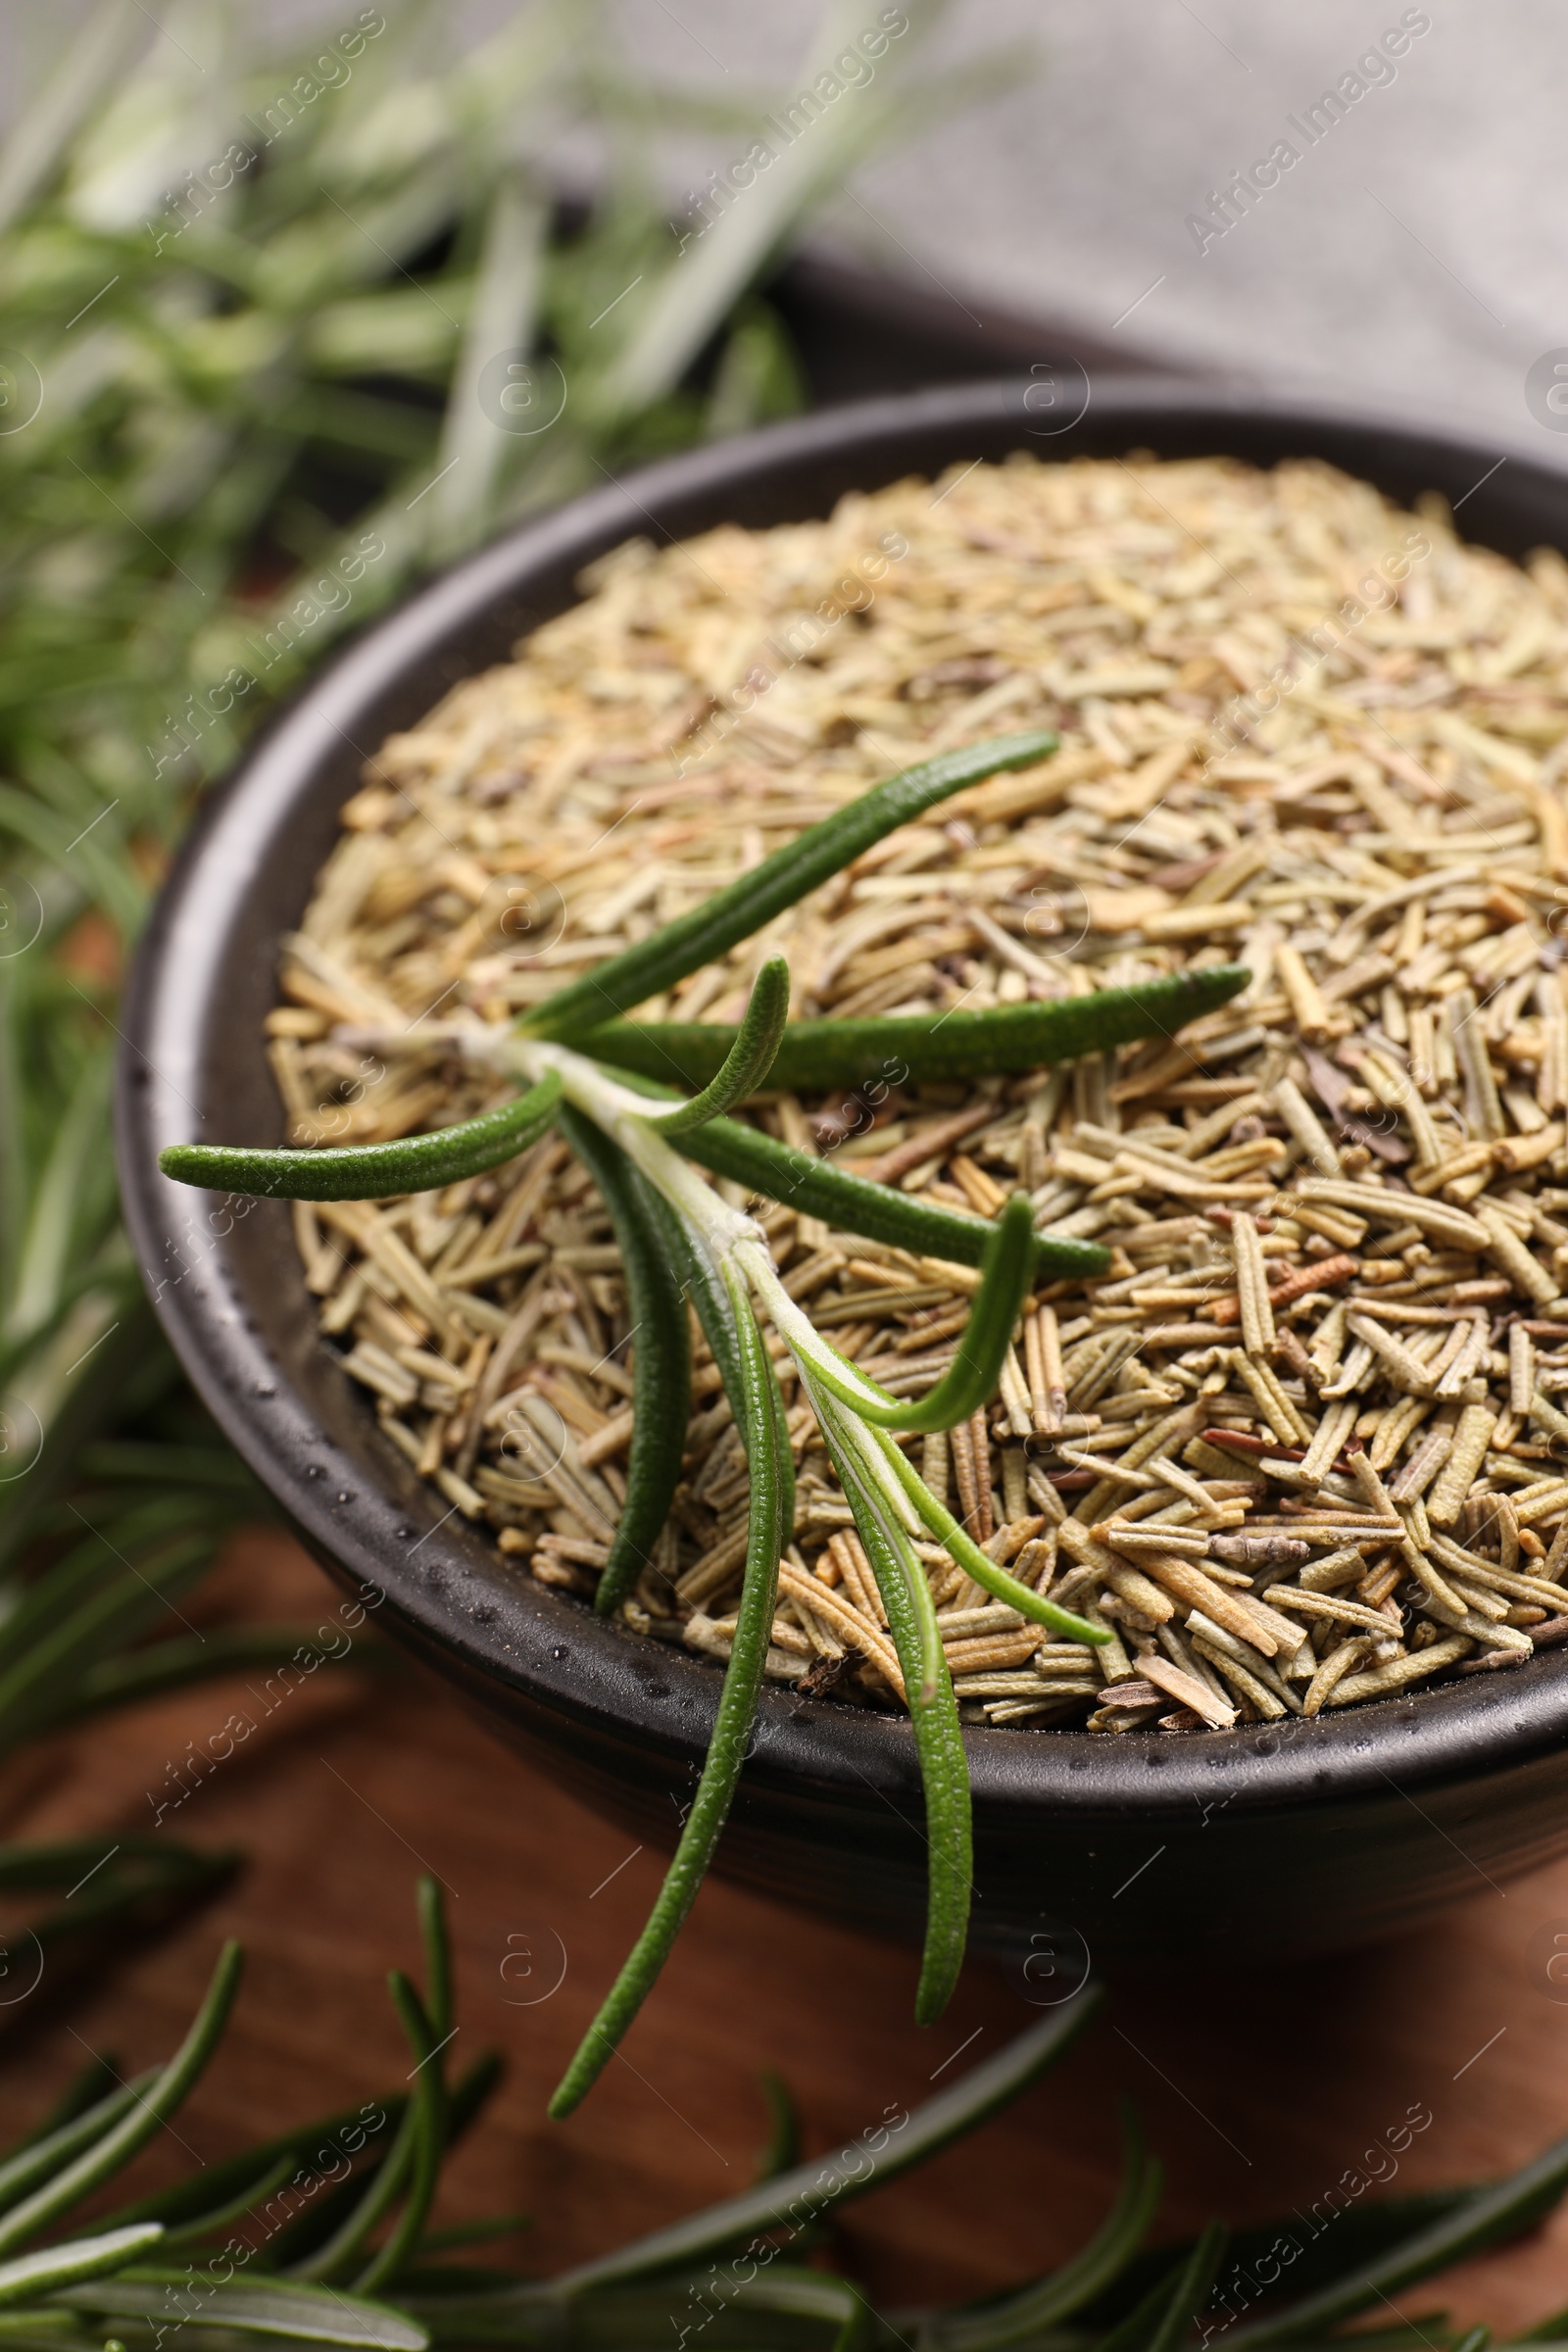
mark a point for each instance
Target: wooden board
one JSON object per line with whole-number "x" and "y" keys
{"x": 1261, "y": 2092}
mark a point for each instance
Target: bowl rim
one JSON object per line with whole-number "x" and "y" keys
{"x": 494, "y": 1630}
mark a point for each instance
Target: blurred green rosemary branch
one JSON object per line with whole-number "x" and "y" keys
{"x": 245, "y": 309}
{"x": 325, "y": 2234}
{"x": 277, "y": 335}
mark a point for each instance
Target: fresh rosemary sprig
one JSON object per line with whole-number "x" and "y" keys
{"x": 662, "y": 1363}
{"x": 623, "y": 1136}
{"x": 749, "y": 1059}
{"x": 321, "y": 2233}
{"x": 372, "y": 1171}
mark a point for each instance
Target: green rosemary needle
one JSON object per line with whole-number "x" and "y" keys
{"x": 795, "y": 2199}
{"x": 1033, "y": 2309}
{"x": 901, "y": 1047}
{"x": 662, "y": 1357}
{"x": 732, "y": 1723}
{"x": 910, "y": 1612}
{"x": 751, "y": 1053}
{"x": 101, "y": 2160}
{"x": 855, "y": 1205}
{"x": 967, "y": 1555}
{"x": 743, "y": 907}
{"x": 415, "y": 1163}
{"x": 972, "y": 1376}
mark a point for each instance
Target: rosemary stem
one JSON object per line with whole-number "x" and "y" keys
{"x": 620, "y": 1113}
{"x": 888, "y": 1509}
{"x": 816, "y": 1355}
{"x": 732, "y": 1722}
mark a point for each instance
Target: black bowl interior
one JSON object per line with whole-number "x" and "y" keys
{"x": 225, "y": 1275}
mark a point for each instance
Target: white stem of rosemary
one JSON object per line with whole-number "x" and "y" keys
{"x": 728, "y": 1234}
{"x": 730, "y": 1237}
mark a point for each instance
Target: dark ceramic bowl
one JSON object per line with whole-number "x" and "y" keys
{"x": 1143, "y": 1848}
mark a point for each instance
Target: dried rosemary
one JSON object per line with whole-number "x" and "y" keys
{"x": 1290, "y": 1442}
{"x": 889, "y": 1501}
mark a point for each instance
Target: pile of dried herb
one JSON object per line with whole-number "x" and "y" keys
{"x": 1214, "y": 1321}
{"x": 532, "y": 828}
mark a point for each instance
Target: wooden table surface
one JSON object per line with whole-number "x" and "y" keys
{"x": 1260, "y": 2091}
